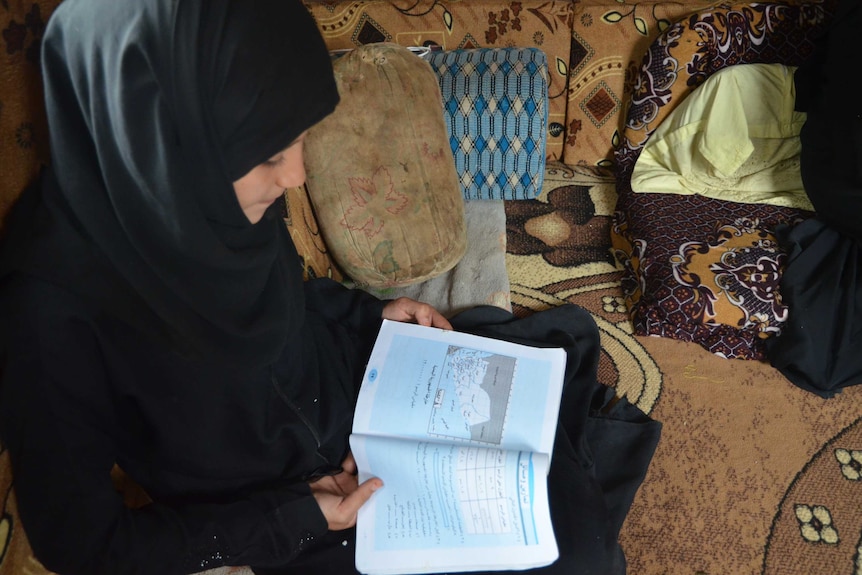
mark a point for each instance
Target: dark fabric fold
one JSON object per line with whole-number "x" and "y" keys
{"x": 820, "y": 345}
{"x": 155, "y": 108}
{"x": 820, "y": 348}
{"x": 602, "y": 450}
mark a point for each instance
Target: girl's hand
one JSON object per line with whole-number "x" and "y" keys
{"x": 409, "y": 310}
{"x": 340, "y": 496}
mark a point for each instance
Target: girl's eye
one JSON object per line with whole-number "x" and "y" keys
{"x": 274, "y": 161}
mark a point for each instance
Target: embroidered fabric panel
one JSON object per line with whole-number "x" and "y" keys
{"x": 495, "y": 103}
{"x": 702, "y": 270}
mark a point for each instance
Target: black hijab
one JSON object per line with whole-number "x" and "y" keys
{"x": 155, "y": 107}
{"x": 831, "y": 138}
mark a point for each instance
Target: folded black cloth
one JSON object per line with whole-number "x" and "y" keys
{"x": 602, "y": 450}
{"x": 820, "y": 346}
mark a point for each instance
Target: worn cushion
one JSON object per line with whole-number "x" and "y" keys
{"x": 381, "y": 174}
{"x": 480, "y": 278}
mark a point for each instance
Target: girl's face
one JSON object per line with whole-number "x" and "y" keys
{"x": 266, "y": 182}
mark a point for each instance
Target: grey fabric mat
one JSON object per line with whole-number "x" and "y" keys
{"x": 479, "y": 278}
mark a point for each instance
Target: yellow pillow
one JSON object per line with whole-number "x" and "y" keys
{"x": 736, "y": 137}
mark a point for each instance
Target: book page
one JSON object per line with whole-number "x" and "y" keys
{"x": 451, "y": 508}
{"x": 436, "y": 385}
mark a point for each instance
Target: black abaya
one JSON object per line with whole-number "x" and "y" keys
{"x": 820, "y": 346}
{"x": 602, "y": 449}
{"x": 146, "y": 322}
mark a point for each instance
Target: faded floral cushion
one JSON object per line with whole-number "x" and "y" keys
{"x": 381, "y": 174}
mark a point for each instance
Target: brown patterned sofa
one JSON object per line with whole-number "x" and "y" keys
{"x": 605, "y": 98}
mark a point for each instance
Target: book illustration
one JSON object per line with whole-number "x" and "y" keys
{"x": 472, "y": 396}
{"x": 441, "y": 386}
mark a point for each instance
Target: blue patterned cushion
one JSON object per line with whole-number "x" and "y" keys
{"x": 495, "y": 103}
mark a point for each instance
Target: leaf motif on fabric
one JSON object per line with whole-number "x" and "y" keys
{"x": 447, "y": 19}
{"x": 371, "y": 199}
{"x": 562, "y": 67}
{"x": 612, "y": 17}
{"x": 431, "y": 154}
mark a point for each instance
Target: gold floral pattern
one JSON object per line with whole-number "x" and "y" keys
{"x": 564, "y": 228}
{"x": 699, "y": 269}
{"x": 815, "y": 524}
{"x": 614, "y": 304}
{"x": 735, "y": 274}
{"x": 850, "y": 462}
{"x": 500, "y": 22}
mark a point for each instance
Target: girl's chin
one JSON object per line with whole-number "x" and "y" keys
{"x": 255, "y": 213}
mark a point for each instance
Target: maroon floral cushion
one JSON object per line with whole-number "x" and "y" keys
{"x": 699, "y": 269}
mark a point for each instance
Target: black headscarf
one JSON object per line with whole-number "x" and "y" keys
{"x": 831, "y": 138}
{"x": 155, "y": 107}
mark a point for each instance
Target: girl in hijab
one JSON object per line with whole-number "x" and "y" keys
{"x": 154, "y": 315}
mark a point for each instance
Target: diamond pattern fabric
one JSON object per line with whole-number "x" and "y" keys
{"x": 495, "y": 101}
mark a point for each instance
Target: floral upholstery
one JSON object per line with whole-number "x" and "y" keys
{"x": 608, "y": 39}
{"x": 454, "y": 25}
{"x": 699, "y": 269}
{"x": 591, "y": 47}
{"x": 23, "y": 128}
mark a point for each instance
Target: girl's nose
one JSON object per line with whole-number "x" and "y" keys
{"x": 291, "y": 171}
{"x": 291, "y": 176}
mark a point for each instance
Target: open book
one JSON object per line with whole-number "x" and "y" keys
{"x": 460, "y": 429}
